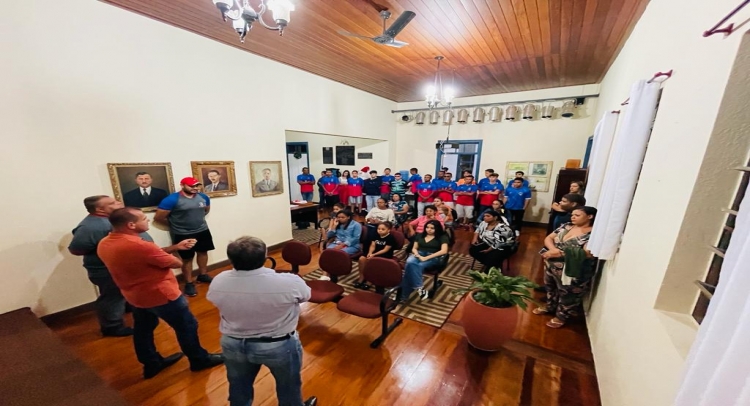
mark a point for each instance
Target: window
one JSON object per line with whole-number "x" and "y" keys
{"x": 708, "y": 286}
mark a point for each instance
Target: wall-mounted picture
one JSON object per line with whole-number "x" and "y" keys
{"x": 328, "y": 155}
{"x": 537, "y": 173}
{"x": 345, "y": 155}
{"x": 539, "y": 169}
{"x": 141, "y": 185}
{"x": 217, "y": 177}
{"x": 266, "y": 178}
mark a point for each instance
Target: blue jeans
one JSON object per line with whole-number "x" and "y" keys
{"x": 177, "y": 314}
{"x": 243, "y": 360}
{"x": 307, "y": 196}
{"x": 413, "y": 273}
{"x": 372, "y": 201}
{"x": 347, "y": 249}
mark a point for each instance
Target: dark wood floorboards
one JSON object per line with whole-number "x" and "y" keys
{"x": 417, "y": 365}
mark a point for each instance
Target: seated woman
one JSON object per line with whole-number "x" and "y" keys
{"x": 497, "y": 206}
{"x": 445, "y": 213}
{"x": 344, "y": 234}
{"x": 569, "y": 267}
{"x": 400, "y": 209}
{"x": 324, "y": 231}
{"x": 416, "y": 226}
{"x": 376, "y": 216}
{"x": 576, "y": 187}
{"x": 382, "y": 246}
{"x": 492, "y": 241}
{"x": 429, "y": 247}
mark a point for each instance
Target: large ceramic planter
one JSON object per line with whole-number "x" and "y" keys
{"x": 488, "y": 328}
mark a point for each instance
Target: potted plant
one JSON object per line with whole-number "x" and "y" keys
{"x": 490, "y": 309}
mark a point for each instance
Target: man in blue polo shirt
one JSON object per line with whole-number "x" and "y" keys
{"x": 306, "y": 182}
{"x": 517, "y": 198}
{"x": 185, "y": 214}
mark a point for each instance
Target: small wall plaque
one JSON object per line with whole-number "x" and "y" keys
{"x": 364, "y": 155}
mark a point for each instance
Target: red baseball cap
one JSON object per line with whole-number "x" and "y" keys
{"x": 190, "y": 181}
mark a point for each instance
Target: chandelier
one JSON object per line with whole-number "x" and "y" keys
{"x": 243, "y": 15}
{"x": 436, "y": 93}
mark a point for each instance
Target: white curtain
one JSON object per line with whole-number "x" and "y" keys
{"x": 603, "y": 136}
{"x": 623, "y": 169}
{"x": 717, "y": 370}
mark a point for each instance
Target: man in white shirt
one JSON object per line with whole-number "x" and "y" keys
{"x": 259, "y": 313}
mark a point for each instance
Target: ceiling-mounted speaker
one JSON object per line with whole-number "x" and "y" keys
{"x": 434, "y": 117}
{"x": 463, "y": 116}
{"x": 478, "y": 115}
{"x": 528, "y": 111}
{"x": 496, "y": 114}
{"x": 547, "y": 111}
{"x": 511, "y": 112}
{"x": 448, "y": 117}
{"x": 420, "y": 118}
{"x": 568, "y": 108}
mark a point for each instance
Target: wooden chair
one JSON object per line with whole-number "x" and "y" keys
{"x": 386, "y": 275}
{"x": 336, "y": 263}
{"x": 295, "y": 253}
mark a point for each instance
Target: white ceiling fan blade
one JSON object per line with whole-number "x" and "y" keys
{"x": 397, "y": 44}
{"x": 349, "y": 34}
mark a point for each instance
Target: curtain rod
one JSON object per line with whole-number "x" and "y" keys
{"x": 499, "y": 103}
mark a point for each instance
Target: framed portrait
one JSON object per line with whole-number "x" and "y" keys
{"x": 539, "y": 169}
{"x": 217, "y": 177}
{"x": 266, "y": 178}
{"x": 141, "y": 185}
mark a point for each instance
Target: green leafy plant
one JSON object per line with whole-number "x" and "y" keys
{"x": 494, "y": 289}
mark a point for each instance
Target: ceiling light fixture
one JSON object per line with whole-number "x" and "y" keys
{"x": 436, "y": 93}
{"x": 243, "y": 15}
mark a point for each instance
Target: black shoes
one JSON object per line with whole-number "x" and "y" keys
{"x": 205, "y": 278}
{"x": 190, "y": 290}
{"x": 210, "y": 362}
{"x": 362, "y": 285}
{"x": 150, "y": 371}
{"x": 121, "y": 331}
{"x": 312, "y": 401}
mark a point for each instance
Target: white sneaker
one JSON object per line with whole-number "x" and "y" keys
{"x": 324, "y": 278}
{"x": 423, "y": 294}
{"x": 518, "y": 233}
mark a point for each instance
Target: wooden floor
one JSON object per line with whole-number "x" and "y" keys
{"x": 417, "y": 365}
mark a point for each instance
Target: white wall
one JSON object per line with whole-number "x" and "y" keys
{"x": 639, "y": 351}
{"x": 554, "y": 140}
{"x": 380, "y": 149}
{"x": 105, "y": 85}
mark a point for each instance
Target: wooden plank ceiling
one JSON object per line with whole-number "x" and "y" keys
{"x": 495, "y": 46}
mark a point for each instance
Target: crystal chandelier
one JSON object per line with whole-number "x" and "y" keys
{"x": 436, "y": 93}
{"x": 243, "y": 15}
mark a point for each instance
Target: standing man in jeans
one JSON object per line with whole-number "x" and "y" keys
{"x": 259, "y": 314}
{"x": 372, "y": 189}
{"x": 110, "y": 305}
{"x": 306, "y": 182}
{"x": 143, "y": 272}
{"x": 184, "y": 212}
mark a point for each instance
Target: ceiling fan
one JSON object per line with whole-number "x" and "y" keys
{"x": 389, "y": 34}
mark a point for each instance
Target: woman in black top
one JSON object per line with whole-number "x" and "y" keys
{"x": 382, "y": 246}
{"x": 429, "y": 249}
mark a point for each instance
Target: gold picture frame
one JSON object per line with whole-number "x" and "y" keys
{"x": 266, "y": 178}
{"x": 218, "y": 177}
{"x": 129, "y": 180}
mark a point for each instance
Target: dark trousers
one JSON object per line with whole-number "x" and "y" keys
{"x": 516, "y": 218}
{"x": 110, "y": 305}
{"x": 177, "y": 314}
{"x": 493, "y": 258}
{"x": 329, "y": 201}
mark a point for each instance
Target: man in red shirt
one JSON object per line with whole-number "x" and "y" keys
{"x": 143, "y": 272}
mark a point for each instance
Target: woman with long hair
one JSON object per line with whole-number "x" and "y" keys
{"x": 400, "y": 209}
{"x": 569, "y": 267}
{"x": 429, "y": 248}
{"x": 345, "y": 233}
{"x": 344, "y": 188}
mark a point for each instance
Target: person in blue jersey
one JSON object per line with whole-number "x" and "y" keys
{"x": 184, "y": 212}
{"x": 355, "y": 186}
{"x": 385, "y": 188}
{"x": 486, "y": 179}
{"x": 521, "y": 175}
{"x": 425, "y": 194}
{"x": 412, "y": 183}
{"x": 517, "y": 198}
{"x": 489, "y": 191}
{"x": 465, "y": 194}
{"x": 306, "y": 182}
{"x": 330, "y": 185}
{"x": 445, "y": 189}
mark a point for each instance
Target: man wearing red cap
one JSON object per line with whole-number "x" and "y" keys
{"x": 185, "y": 214}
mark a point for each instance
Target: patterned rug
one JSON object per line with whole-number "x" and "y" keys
{"x": 433, "y": 312}
{"x": 309, "y": 235}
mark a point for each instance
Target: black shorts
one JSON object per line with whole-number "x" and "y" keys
{"x": 205, "y": 243}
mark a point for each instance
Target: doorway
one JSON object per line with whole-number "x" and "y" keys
{"x": 297, "y": 157}
{"x": 460, "y": 156}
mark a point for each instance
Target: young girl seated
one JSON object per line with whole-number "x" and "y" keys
{"x": 382, "y": 246}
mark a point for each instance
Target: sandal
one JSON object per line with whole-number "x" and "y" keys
{"x": 540, "y": 310}
{"x": 555, "y": 323}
